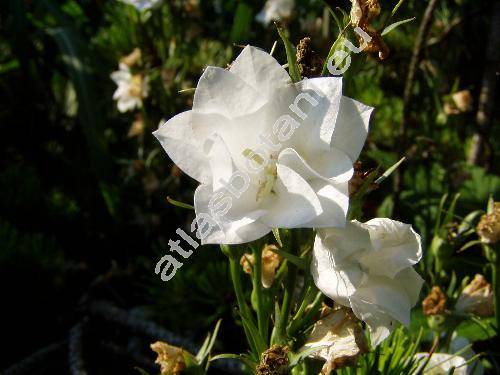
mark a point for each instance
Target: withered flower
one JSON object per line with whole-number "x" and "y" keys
{"x": 137, "y": 127}
{"x": 435, "y": 302}
{"x": 270, "y": 264}
{"x": 310, "y": 63}
{"x": 170, "y": 358}
{"x": 363, "y": 12}
{"x": 488, "y": 228}
{"x": 132, "y": 58}
{"x": 341, "y": 335}
{"x": 274, "y": 361}
{"x": 476, "y": 298}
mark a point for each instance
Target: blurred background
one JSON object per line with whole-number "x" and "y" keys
{"x": 84, "y": 215}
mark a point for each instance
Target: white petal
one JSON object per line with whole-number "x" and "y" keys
{"x": 332, "y": 165}
{"x": 260, "y": 70}
{"x": 337, "y": 284}
{"x": 319, "y": 124}
{"x": 232, "y": 228}
{"x": 177, "y": 138}
{"x": 222, "y": 92}
{"x": 396, "y": 247}
{"x": 334, "y": 199}
{"x": 412, "y": 283}
{"x": 441, "y": 363}
{"x": 351, "y": 127}
{"x": 127, "y": 104}
{"x": 386, "y": 295}
{"x": 344, "y": 245}
{"x": 293, "y": 202}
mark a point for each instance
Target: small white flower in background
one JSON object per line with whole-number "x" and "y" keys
{"x": 275, "y": 10}
{"x": 262, "y": 164}
{"x": 368, "y": 267}
{"x": 132, "y": 88}
{"x": 142, "y": 5}
{"x": 441, "y": 363}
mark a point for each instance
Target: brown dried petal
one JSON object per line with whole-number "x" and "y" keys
{"x": 170, "y": 358}
{"x": 340, "y": 332}
{"x": 133, "y": 58}
{"x": 274, "y": 361}
{"x": 488, "y": 228}
{"x": 435, "y": 302}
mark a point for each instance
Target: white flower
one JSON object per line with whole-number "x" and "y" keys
{"x": 132, "y": 88}
{"x": 268, "y": 153}
{"x": 142, "y": 5}
{"x": 275, "y": 10}
{"x": 441, "y": 363}
{"x": 368, "y": 267}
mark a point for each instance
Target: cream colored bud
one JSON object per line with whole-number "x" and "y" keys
{"x": 170, "y": 358}
{"x": 132, "y": 59}
{"x": 270, "y": 264}
{"x": 488, "y": 228}
{"x": 476, "y": 298}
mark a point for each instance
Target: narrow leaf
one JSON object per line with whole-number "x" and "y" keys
{"x": 293, "y": 68}
{"x": 179, "y": 204}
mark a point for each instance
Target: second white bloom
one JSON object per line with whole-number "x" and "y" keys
{"x": 368, "y": 267}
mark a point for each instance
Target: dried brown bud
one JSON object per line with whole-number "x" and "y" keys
{"x": 274, "y": 361}
{"x": 310, "y": 63}
{"x": 435, "y": 302}
{"x": 358, "y": 178}
{"x": 132, "y": 59}
{"x": 488, "y": 228}
{"x": 170, "y": 358}
{"x": 270, "y": 264}
{"x": 137, "y": 127}
{"x": 476, "y": 298}
{"x": 339, "y": 331}
{"x": 363, "y": 12}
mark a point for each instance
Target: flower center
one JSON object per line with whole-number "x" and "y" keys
{"x": 268, "y": 178}
{"x": 135, "y": 88}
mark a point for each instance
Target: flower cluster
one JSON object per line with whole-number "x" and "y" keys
{"x": 271, "y": 153}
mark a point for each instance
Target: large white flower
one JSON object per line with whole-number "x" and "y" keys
{"x": 142, "y": 5}
{"x": 368, "y": 267}
{"x": 275, "y": 10}
{"x": 268, "y": 153}
{"x": 132, "y": 88}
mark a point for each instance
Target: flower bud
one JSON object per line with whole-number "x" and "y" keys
{"x": 476, "y": 298}
{"x": 273, "y": 361}
{"x": 170, "y": 358}
{"x": 488, "y": 228}
{"x": 435, "y": 302}
{"x": 270, "y": 264}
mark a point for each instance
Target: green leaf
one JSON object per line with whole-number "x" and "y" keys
{"x": 299, "y": 262}
{"x": 389, "y": 171}
{"x": 73, "y": 52}
{"x": 141, "y": 371}
{"x": 395, "y": 9}
{"x": 179, "y": 204}
{"x": 394, "y": 25}
{"x": 296, "y": 358}
{"x": 247, "y": 361}
{"x": 241, "y": 24}
{"x": 276, "y": 233}
{"x": 293, "y": 67}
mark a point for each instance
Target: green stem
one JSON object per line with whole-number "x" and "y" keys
{"x": 257, "y": 286}
{"x": 308, "y": 317}
{"x": 290, "y": 281}
{"x": 496, "y": 287}
{"x": 245, "y": 312}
